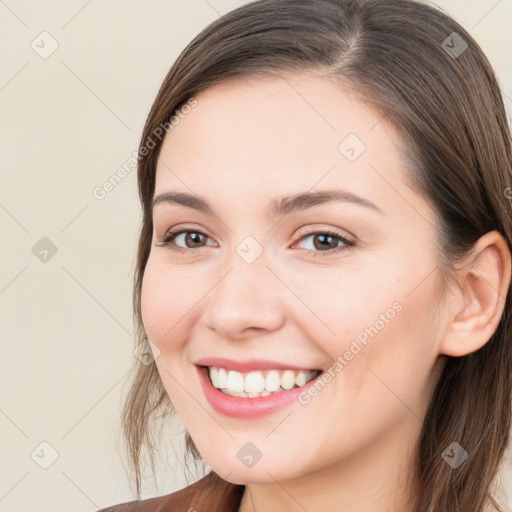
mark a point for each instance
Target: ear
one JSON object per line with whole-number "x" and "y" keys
{"x": 480, "y": 298}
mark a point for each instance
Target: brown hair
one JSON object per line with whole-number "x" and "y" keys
{"x": 402, "y": 58}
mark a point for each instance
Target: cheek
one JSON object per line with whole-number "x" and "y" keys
{"x": 338, "y": 305}
{"x": 394, "y": 366}
{"x": 382, "y": 352}
{"x": 380, "y": 321}
{"x": 167, "y": 304}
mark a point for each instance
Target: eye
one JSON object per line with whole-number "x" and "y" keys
{"x": 321, "y": 239}
{"x": 192, "y": 237}
{"x": 328, "y": 240}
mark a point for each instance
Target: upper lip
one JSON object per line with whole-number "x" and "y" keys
{"x": 248, "y": 365}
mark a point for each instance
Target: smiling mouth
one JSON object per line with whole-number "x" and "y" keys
{"x": 254, "y": 384}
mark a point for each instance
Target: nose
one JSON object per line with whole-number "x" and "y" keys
{"x": 245, "y": 300}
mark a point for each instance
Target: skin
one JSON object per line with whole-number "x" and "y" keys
{"x": 248, "y": 142}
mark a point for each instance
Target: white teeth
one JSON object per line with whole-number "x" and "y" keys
{"x": 272, "y": 381}
{"x": 254, "y": 384}
{"x": 235, "y": 393}
{"x": 288, "y": 379}
{"x": 302, "y": 378}
{"x": 222, "y": 377}
{"x": 235, "y": 382}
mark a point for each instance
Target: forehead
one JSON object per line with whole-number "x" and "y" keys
{"x": 287, "y": 133}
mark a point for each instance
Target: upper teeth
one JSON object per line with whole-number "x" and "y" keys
{"x": 258, "y": 382}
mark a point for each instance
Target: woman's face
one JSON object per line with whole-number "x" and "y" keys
{"x": 249, "y": 282}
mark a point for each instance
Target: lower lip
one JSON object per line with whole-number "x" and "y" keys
{"x": 240, "y": 407}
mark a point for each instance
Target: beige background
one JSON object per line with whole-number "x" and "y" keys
{"x": 68, "y": 122}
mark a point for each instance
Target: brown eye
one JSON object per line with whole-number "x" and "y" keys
{"x": 191, "y": 239}
{"x": 326, "y": 242}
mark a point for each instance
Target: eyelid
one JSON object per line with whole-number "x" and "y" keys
{"x": 318, "y": 228}
{"x": 302, "y": 231}
{"x": 185, "y": 227}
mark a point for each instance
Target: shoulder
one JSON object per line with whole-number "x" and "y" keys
{"x": 209, "y": 494}
{"x": 158, "y": 504}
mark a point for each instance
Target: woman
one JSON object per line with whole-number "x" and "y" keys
{"x": 324, "y": 263}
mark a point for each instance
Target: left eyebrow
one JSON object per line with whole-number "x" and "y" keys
{"x": 305, "y": 200}
{"x": 282, "y": 206}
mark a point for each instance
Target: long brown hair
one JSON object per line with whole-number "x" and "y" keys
{"x": 429, "y": 78}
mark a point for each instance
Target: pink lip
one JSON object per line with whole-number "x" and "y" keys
{"x": 248, "y": 365}
{"x": 240, "y": 407}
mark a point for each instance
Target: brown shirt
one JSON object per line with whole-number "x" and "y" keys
{"x": 209, "y": 494}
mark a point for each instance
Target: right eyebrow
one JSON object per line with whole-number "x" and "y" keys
{"x": 184, "y": 199}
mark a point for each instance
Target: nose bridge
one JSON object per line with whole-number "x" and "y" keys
{"x": 245, "y": 270}
{"x": 245, "y": 295}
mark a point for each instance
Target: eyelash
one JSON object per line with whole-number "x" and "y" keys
{"x": 171, "y": 235}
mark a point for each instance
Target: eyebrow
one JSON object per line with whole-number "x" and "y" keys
{"x": 277, "y": 207}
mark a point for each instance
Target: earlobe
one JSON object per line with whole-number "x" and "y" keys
{"x": 484, "y": 284}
